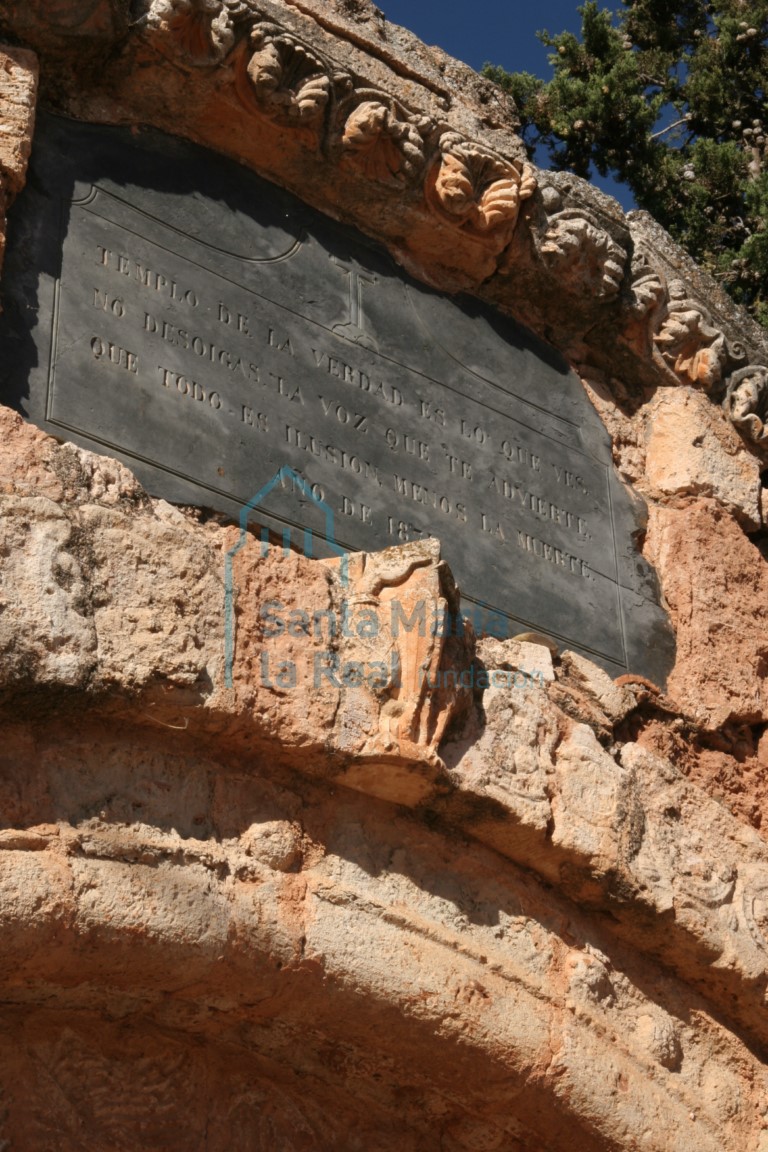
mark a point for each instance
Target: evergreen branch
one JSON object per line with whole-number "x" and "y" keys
{"x": 677, "y": 123}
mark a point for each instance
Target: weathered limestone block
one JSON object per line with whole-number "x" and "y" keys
{"x": 592, "y": 690}
{"x": 147, "y": 628}
{"x": 618, "y": 411}
{"x": 282, "y": 639}
{"x": 692, "y": 451}
{"x": 18, "y": 91}
{"x": 350, "y": 659}
{"x": 620, "y": 829}
{"x": 728, "y": 764}
{"x": 141, "y": 617}
{"x": 47, "y": 634}
{"x": 28, "y": 459}
{"x": 716, "y": 583}
{"x": 441, "y": 996}
{"x": 533, "y": 659}
{"x": 406, "y": 595}
{"x": 509, "y": 764}
{"x": 589, "y": 801}
{"x": 82, "y": 28}
{"x": 126, "y": 595}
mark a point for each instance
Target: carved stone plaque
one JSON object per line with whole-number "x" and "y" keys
{"x": 167, "y": 307}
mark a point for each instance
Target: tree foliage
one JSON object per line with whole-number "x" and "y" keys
{"x": 671, "y": 98}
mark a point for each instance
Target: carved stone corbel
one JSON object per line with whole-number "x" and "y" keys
{"x": 580, "y": 252}
{"x": 478, "y": 191}
{"x": 643, "y": 301}
{"x": 647, "y": 289}
{"x": 382, "y": 141}
{"x": 689, "y": 343}
{"x": 281, "y": 78}
{"x": 200, "y": 32}
{"x": 746, "y": 402}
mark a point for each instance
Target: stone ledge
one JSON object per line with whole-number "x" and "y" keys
{"x": 93, "y": 618}
{"x": 272, "y": 923}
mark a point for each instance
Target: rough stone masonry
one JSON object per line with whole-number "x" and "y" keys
{"x": 500, "y": 901}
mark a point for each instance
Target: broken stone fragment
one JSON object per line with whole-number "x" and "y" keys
{"x": 533, "y": 660}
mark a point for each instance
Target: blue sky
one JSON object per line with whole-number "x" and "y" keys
{"x": 500, "y": 31}
{"x": 496, "y": 31}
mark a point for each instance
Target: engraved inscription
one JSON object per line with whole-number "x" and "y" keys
{"x": 354, "y": 328}
{"x": 391, "y": 458}
{"x": 211, "y": 339}
{"x": 241, "y": 354}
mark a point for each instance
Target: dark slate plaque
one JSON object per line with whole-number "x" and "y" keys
{"x": 167, "y": 307}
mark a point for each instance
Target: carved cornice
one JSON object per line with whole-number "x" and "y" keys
{"x": 480, "y": 192}
{"x": 746, "y": 402}
{"x": 381, "y": 140}
{"x": 367, "y": 132}
{"x": 579, "y": 251}
{"x": 279, "y": 77}
{"x": 692, "y": 348}
{"x": 577, "y": 248}
{"x": 466, "y": 210}
{"x": 688, "y": 341}
{"x": 647, "y": 289}
{"x": 199, "y": 32}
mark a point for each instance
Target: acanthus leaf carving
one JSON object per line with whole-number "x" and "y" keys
{"x": 383, "y": 142}
{"x": 647, "y": 288}
{"x": 202, "y": 32}
{"x": 284, "y": 79}
{"x": 688, "y": 341}
{"x": 582, "y": 253}
{"x": 746, "y": 402}
{"x": 478, "y": 191}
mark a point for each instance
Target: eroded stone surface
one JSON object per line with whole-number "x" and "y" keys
{"x": 540, "y": 773}
{"x": 18, "y": 90}
{"x": 248, "y": 906}
{"x": 319, "y": 972}
{"x": 692, "y": 450}
{"x": 140, "y": 852}
{"x": 716, "y": 583}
